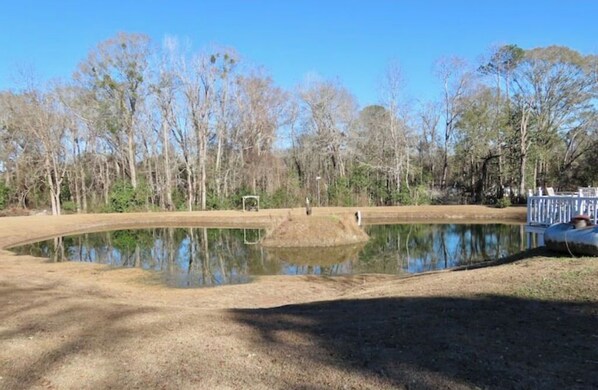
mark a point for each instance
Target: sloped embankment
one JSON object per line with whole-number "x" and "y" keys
{"x": 315, "y": 231}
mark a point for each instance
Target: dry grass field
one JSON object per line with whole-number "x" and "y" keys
{"x": 526, "y": 322}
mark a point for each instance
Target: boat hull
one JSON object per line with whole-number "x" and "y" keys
{"x": 564, "y": 237}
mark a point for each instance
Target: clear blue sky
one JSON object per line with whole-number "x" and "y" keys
{"x": 351, "y": 41}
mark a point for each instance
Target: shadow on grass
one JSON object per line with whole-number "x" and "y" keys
{"x": 487, "y": 342}
{"x": 524, "y": 255}
{"x": 47, "y": 336}
{"x": 90, "y": 327}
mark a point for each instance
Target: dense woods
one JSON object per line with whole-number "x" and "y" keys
{"x": 147, "y": 126}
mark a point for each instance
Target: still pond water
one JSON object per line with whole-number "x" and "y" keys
{"x": 196, "y": 257}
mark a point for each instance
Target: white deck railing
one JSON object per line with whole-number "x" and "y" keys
{"x": 547, "y": 210}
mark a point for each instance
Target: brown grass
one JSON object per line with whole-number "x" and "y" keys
{"x": 529, "y": 323}
{"x": 316, "y": 231}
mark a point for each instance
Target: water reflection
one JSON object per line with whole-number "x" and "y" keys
{"x": 192, "y": 257}
{"x": 189, "y": 257}
{"x": 337, "y": 260}
{"x": 420, "y": 248}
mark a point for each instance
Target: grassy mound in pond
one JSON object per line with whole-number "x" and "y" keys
{"x": 315, "y": 231}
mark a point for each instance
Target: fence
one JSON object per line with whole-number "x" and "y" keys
{"x": 544, "y": 211}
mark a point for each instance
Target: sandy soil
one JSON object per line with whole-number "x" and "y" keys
{"x": 529, "y": 322}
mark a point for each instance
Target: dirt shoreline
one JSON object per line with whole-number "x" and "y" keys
{"x": 530, "y": 323}
{"x": 19, "y": 230}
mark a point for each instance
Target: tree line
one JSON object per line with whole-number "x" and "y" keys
{"x": 142, "y": 127}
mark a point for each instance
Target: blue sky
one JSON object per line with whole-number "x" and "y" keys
{"x": 352, "y": 41}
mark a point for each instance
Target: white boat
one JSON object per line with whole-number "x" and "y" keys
{"x": 573, "y": 237}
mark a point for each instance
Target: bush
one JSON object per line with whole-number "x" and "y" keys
{"x": 236, "y": 199}
{"x": 281, "y": 198}
{"x": 339, "y": 193}
{"x": 69, "y": 206}
{"x": 215, "y": 202}
{"x": 503, "y": 203}
{"x": 124, "y": 197}
{"x": 402, "y": 197}
{"x": 179, "y": 201}
{"x": 421, "y": 195}
{"x": 4, "y": 196}
{"x": 413, "y": 196}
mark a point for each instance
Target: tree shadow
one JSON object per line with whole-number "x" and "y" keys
{"x": 48, "y": 339}
{"x": 487, "y": 341}
{"x": 49, "y": 336}
{"x": 523, "y": 255}
{"x": 89, "y": 326}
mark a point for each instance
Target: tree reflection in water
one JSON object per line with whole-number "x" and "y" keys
{"x": 419, "y": 248}
{"x": 194, "y": 257}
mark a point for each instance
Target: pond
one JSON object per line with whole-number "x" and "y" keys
{"x": 196, "y": 257}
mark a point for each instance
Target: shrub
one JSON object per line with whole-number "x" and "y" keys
{"x": 280, "y": 198}
{"x": 421, "y": 195}
{"x": 4, "y": 196}
{"x": 339, "y": 193}
{"x": 124, "y": 197}
{"x": 69, "y": 206}
{"x": 503, "y": 203}
{"x": 236, "y": 200}
{"x": 402, "y": 197}
{"x": 215, "y": 202}
{"x": 179, "y": 201}
{"x": 412, "y": 196}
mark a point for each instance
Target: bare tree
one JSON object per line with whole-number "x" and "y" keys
{"x": 225, "y": 63}
{"x": 555, "y": 89}
{"x": 40, "y": 118}
{"x": 116, "y": 72}
{"x": 198, "y": 79}
{"x": 456, "y": 80}
{"x": 164, "y": 91}
{"x": 329, "y": 111}
{"x": 429, "y": 118}
{"x": 397, "y": 126}
{"x": 260, "y": 110}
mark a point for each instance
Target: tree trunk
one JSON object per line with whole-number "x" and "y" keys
{"x": 167, "y": 168}
{"x": 444, "y": 170}
{"x": 77, "y": 192}
{"x": 131, "y": 157}
{"x": 107, "y": 183}
{"x": 202, "y": 170}
{"x": 523, "y": 148}
{"x": 54, "y": 192}
{"x": 536, "y": 173}
{"x": 500, "y": 168}
{"x": 190, "y": 193}
{"x": 52, "y": 197}
{"x": 522, "y": 164}
{"x": 221, "y": 132}
{"x": 83, "y": 189}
